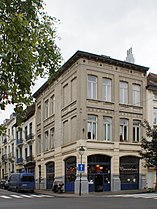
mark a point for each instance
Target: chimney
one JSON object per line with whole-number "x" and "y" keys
{"x": 130, "y": 57}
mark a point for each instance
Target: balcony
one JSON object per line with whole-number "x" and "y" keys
{"x": 19, "y": 160}
{"x": 4, "y": 158}
{"x": 30, "y": 137}
{"x": 11, "y": 156}
{"x": 19, "y": 142}
{"x": 29, "y": 158}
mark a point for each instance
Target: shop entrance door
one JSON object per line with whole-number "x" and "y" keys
{"x": 99, "y": 183}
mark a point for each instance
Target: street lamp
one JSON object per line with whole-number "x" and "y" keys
{"x": 81, "y": 152}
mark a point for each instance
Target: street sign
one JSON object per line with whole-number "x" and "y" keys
{"x": 81, "y": 168}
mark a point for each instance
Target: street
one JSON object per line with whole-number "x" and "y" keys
{"x": 12, "y": 200}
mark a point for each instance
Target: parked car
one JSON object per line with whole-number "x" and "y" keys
{"x": 21, "y": 182}
{"x": 2, "y": 184}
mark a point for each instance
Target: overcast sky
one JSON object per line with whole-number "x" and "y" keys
{"x": 108, "y": 27}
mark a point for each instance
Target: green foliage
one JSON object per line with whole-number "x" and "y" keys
{"x": 27, "y": 49}
{"x": 149, "y": 145}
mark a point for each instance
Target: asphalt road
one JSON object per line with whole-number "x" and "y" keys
{"x": 11, "y": 200}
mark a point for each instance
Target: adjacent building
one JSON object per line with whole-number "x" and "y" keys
{"x": 151, "y": 111}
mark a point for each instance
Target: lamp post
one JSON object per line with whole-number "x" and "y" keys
{"x": 81, "y": 152}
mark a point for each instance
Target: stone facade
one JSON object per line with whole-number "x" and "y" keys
{"x": 75, "y": 105}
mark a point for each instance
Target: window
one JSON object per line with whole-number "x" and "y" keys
{"x": 92, "y": 127}
{"x": 52, "y": 105}
{"x": 30, "y": 128}
{"x": 123, "y": 92}
{"x": 26, "y": 132}
{"x": 38, "y": 114}
{"x": 46, "y": 109}
{"x": 38, "y": 144}
{"x": 123, "y": 129}
{"x": 155, "y": 116}
{"x": 65, "y": 95}
{"x": 92, "y": 87}
{"x": 107, "y": 128}
{"x": 65, "y": 132}
{"x": 73, "y": 90}
{"x": 107, "y": 89}
{"x": 136, "y": 95}
{"x": 136, "y": 131}
{"x": 26, "y": 154}
{"x": 155, "y": 96}
{"x": 46, "y": 141}
{"x": 73, "y": 128}
{"x": 52, "y": 137}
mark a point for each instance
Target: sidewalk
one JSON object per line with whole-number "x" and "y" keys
{"x": 91, "y": 194}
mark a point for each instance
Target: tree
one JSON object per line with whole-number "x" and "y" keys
{"x": 27, "y": 49}
{"x": 149, "y": 146}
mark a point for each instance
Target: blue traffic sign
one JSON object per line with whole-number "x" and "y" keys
{"x": 81, "y": 168}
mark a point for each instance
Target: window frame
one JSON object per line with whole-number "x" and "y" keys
{"x": 136, "y": 94}
{"x": 124, "y": 129}
{"x": 123, "y": 96}
{"x": 107, "y": 89}
{"x": 92, "y": 127}
{"x": 92, "y": 87}
{"x": 136, "y": 131}
{"x": 107, "y": 128}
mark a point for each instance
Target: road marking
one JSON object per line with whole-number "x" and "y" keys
{"x": 28, "y": 196}
{"x": 5, "y": 197}
{"x": 42, "y": 195}
{"x": 145, "y": 195}
{"x": 20, "y": 196}
{"x": 17, "y": 196}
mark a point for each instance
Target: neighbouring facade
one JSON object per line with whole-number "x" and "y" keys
{"x": 151, "y": 118}
{"x": 18, "y": 145}
{"x": 96, "y": 102}
{"x": 8, "y": 146}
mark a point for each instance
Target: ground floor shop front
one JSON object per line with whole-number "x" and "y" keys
{"x": 99, "y": 174}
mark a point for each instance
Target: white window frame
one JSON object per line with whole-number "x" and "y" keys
{"x": 92, "y": 87}
{"x": 136, "y": 130}
{"x": 124, "y": 129}
{"x": 136, "y": 94}
{"x": 123, "y": 86}
{"x": 92, "y": 127}
{"x": 107, "y": 129}
{"x": 107, "y": 82}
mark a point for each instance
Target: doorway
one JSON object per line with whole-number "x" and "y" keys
{"x": 99, "y": 183}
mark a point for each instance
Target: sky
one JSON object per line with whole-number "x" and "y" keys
{"x": 104, "y": 27}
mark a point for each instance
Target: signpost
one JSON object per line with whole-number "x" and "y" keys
{"x": 81, "y": 168}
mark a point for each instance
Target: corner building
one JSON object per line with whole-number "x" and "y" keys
{"x": 96, "y": 102}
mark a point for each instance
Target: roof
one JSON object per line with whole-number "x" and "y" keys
{"x": 152, "y": 81}
{"x": 90, "y": 56}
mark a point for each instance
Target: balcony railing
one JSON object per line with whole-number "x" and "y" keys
{"x": 11, "y": 156}
{"x": 4, "y": 157}
{"x": 19, "y": 141}
{"x": 19, "y": 160}
{"x": 29, "y": 158}
{"x": 29, "y": 137}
